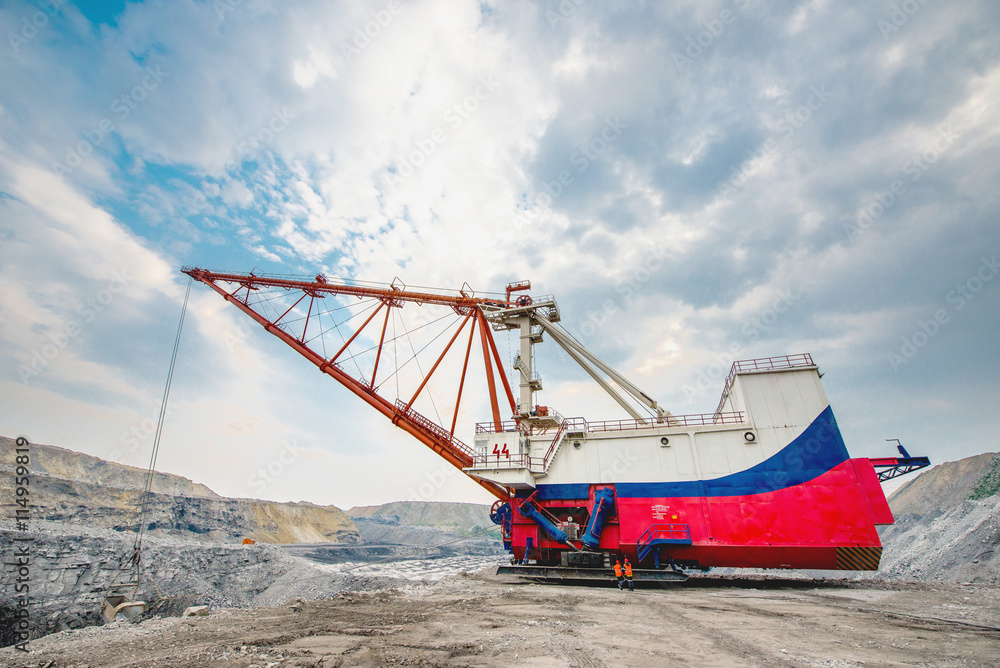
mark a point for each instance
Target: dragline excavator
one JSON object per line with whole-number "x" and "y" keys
{"x": 763, "y": 481}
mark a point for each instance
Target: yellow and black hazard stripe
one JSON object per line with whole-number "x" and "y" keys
{"x": 858, "y": 558}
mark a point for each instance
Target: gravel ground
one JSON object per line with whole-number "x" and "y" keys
{"x": 70, "y": 572}
{"x": 487, "y": 620}
{"x": 960, "y": 545}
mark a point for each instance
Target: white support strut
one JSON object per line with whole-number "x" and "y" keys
{"x": 566, "y": 342}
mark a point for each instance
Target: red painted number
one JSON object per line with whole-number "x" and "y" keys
{"x": 497, "y": 451}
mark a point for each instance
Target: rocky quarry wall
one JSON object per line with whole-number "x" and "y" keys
{"x": 947, "y": 524}
{"x": 71, "y": 568}
{"x": 75, "y": 488}
{"x": 468, "y": 519}
{"x": 82, "y": 511}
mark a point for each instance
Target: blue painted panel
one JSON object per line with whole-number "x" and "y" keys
{"x": 813, "y": 452}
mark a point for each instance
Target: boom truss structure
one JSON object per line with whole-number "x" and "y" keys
{"x": 354, "y": 334}
{"x": 358, "y": 334}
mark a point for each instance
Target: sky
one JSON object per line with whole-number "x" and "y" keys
{"x": 695, "y": 182}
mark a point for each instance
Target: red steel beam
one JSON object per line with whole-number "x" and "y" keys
{"x": 461, "y": 383}
{"x": 355, "y": 334}
{"x": 483, "y": 326}
{"x": 438, "y": 361}
{"x": 444, "y": 448}
{"x": 312, "y": 300}
{"x": 247, "y": 280}
{"x": 884, "y": 461}
{"x": 502, "y": 373}
{"x": 297, "y": 302}
{"x": 381, "y": 340}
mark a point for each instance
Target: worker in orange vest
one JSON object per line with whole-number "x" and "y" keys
{"x": 628, "y": 575}
{"x": 618, "y": 573}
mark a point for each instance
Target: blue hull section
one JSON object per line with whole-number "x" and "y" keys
{"x": 815, "y": 451}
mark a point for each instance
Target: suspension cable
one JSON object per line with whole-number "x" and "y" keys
{"x": 151, "y": 471}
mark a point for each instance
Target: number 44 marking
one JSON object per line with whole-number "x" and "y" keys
{"x": 497, "y": 451}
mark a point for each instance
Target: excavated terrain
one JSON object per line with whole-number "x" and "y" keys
{"x": 72, "y": 567}
{"x": 471, "y": 519}
{"x": 82, "y": 506}
{"x": 82, "y": 490}
{"x": 489, "y": 621}
{"x": 947, "y": 524}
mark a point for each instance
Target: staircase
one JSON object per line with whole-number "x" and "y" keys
{"x": 662, "y": 534}
{"x": 556, "y": 441}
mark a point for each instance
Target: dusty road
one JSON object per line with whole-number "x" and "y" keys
{"x": 489, "y": 621}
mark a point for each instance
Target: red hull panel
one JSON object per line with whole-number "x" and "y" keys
{"x": 809, "y": 525}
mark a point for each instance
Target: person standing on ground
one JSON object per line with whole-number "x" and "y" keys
{"x": 628, "y": 575}
{"x": 618, "y": 573}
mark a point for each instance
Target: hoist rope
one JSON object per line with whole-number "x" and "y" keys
{"x": 150, "y": 472}
{"x": 421, "y": 371}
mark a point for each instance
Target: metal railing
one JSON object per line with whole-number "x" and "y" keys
{"x": 499, "y": 462}
{"x": 769, "y": 363}
{"x": 578, "y": 424}
{"x": 893, "y": 467}
{"x": 762, "y": 364}
{"x": 675, "y": 534}
{"x": 553, "y": 308}
{"x": 522, "y": 461}
{"x": 695, "y": 420}
{"x": 433, "y": 428}
{"x": 505, "y": 426}
{"x": 582, "y": 425}
{"x": 554, "y": 445}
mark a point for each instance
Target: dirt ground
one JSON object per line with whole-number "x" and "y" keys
{"x": 486, "y": 620}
